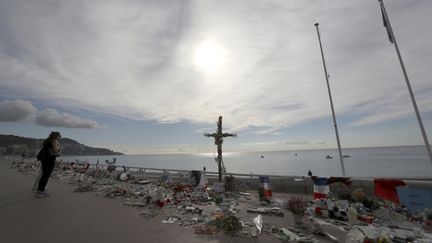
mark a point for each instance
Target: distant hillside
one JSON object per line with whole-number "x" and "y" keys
{"x": 15, "y": 145}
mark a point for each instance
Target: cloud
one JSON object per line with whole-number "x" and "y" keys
{"x": 284, "y": 142}
{"x": 134, "y": 59}
{"x": 52, "y": 118}
{"x": 16, "y": 110}
{"x": 19, "y": 110}
{"x": 390, "y": 110}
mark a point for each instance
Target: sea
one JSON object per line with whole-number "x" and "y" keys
{"x": 403, "y": 161}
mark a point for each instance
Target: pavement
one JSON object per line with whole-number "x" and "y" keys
{"x": 66, "y": 216}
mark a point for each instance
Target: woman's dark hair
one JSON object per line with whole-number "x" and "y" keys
{"x": 51, "y": 137}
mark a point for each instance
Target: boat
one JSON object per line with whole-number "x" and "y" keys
{"x": 262, "y": 156}
{"x": 346, "y": 156}
{"x": 329, "y": 157}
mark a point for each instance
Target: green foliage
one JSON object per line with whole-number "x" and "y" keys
{"x": 428, "y": 214}
{"x": 358, "y": 195}
{"x": 231, "y": 225}
{"x": 345, "y": 196}
{"x": 372, "y": 204}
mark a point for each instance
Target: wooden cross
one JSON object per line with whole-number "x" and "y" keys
{"x": 218, "y": 136}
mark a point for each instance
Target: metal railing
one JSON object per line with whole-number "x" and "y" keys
{"x": 138, "y": 169}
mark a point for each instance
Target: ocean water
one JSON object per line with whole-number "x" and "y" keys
{"x": 405, "y": 161}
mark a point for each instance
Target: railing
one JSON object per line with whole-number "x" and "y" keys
{"x": 255, "y": 175}
{"x": 212, "y": 173}
{"x": 158, "y": 170}
{"x": 289, "y": 183}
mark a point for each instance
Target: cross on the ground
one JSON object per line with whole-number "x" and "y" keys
{"x": 218, "y": 136}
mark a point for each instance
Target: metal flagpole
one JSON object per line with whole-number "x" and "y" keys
{"x": 392, "y": 39}
{"x": 331, "y": 104}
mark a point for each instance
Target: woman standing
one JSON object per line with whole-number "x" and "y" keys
{"x": 47, "y": 155}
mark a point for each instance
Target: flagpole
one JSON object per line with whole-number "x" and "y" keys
{"x": 331, "y": 103}
{"x": 393, "y": 40}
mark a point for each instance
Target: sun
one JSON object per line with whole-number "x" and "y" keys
{"x": 209, "y": 57}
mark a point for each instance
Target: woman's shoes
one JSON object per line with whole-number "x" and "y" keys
{"x": 41, "y": 194}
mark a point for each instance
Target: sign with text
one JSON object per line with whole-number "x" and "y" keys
{"x": 415, "y": 199}
{"x": 218, "y": 187}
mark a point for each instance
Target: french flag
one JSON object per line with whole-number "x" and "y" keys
{"x": 321, "y": 188}
{"x": 265, "y": 187}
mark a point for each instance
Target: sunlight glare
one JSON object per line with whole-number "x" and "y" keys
{"x": 209, "y": 57}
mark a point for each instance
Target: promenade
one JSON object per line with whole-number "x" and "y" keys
{"x": 101, "y": 215}
{"x": 66, "y": 216}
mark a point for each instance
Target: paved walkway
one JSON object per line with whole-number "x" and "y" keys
{"x": 66, "y": 216}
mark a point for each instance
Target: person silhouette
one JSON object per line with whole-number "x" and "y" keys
{"x": 49, "y": 152}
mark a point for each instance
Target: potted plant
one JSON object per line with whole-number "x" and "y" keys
{"x": 297, "y": 205}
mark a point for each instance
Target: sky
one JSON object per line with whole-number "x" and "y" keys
{"x": 153, "y": 76}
